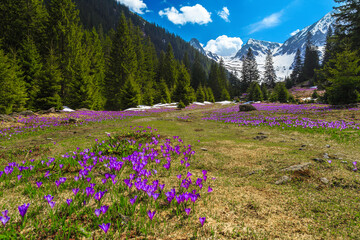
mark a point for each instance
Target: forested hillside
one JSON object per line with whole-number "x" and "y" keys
{"x": 76, "y": 58}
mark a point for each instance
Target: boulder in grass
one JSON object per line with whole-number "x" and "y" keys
{"x": 6, "y": 118}
{"x": 246, "y": 108}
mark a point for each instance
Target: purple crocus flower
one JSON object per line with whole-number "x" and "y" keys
{"x": 97, "y": 212}
{"x": 151, "y": 214}
{"x": 23, "y": 209}
{"x": 4, "y": 219}
{"x": 75, "y": 191}
{"x": 105, "y": 227}
{"x": 52, "y": 204}
{"x": 104, "y": 209}
{"x": 62, "y": 179}
{"x": 202, "y": 220}
{"x": 38, "y": 184}
{"x": 47, "y": 174}
{"x": 68, "y": 201}
{"x": 187, "y": 210}
{"x": 48, "y": 198}
{"x": 133, "y": 200}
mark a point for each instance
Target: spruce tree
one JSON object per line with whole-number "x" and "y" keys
{"x": 296, "y": 75}
{"x": 129, "y": 95}
{"x": 122, "y": 63}
{"x": 48, "y": 95}
{"x": 170, "y": 68}
{"x": 311, "y": 61}
{"x": 269, "y": 74}
{"x": 31, "y": 66}
{"x": 198, "y": 74}
{"x": 249, "y": 70}
{"x": 12, "y": 90}
{"x": 182, "y": 91}
{"x": 200, "y": 94}
{"x": 344, "y": 77}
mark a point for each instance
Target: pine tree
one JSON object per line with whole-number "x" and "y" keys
{"x": 249, "y": 71}
{"x": 200, "y": 94}
{"x": 269, "y": 74}
{"x": 129, "y": 96}
{"x": 31, "y": 66}
{"x": 48, "y": 95}
{"x": 12, "y": 90}
{"x": 348, "y": 21}
{"x": 255, "y": 93}
{"x": 21, "y": 19}
{"x": 170, "y": 68}
{"x": 296, "y": 75}
{"x": 198, "y": 74}
{"x": 182, "y": 91}
{"x": 214, "y": 81}
{"x": 344, "y": 77}
{"x": 264, "y": 92}
{"x": 311, "y": 61}
{"x": 122, "y": 63}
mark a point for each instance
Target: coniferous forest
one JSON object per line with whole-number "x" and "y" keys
{"x": 96, "y": 55}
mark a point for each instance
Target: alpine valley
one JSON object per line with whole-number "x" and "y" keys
{"x": 283, "y": 53}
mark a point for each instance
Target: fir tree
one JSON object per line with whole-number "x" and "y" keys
{"x": 129, "y": 95}
{"x": 255, "y": 93}
{"x": 12, "y": 90}
{"x": 48, "y": 95}
{"x": 182, "y": 91}
{"x": 269, "y": 74}
{"x": 348, "y": 21}
{"x": 198, "y": 74}
{"x": 170, "y": 68}
{"x": 122, "y": 63}
{"x": 200, "y": 94}
{"x": 296, "y": 75}
{"x": 264, "y": 92}
{"x": 249, "y": 70}
{"x": 31, "y": 66}
{"x": 343, "y": 74}
{"x": 311, "y": 61}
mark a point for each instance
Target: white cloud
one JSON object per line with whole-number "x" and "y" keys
{"x": 195, "y": 14}
{"x": 224, "y": 45}
{"x": 224, "y": 14}
{"x": 135, "y": 5}
{"x": 295, "y": 32}
{"x": 268, "y": 22}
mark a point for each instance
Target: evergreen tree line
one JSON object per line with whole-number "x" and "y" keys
{"x": 53, "y": 61}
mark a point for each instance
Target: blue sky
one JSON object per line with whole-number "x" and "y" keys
{"x": 223, "y": 25}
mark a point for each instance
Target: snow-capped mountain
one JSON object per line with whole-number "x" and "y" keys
{"x": 259, "y": 48}
{"x": 197, "y": 45}
{"x": 318, "y": 33}
{"x": 283, "y": 54}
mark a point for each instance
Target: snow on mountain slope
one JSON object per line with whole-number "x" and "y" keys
{"x": 283, "y": 54}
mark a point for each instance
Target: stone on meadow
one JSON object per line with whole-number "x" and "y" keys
{"x": 282, "y": 180}
{"x": 299, "y": 167}
{"x": 246, "y": 108}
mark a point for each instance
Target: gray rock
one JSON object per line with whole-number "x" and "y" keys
{"x": 6, "y": 118}
{"x": 283, "y": 179}
{"x": 246, "y": 108}
{"x": 260, "y": 137}
{"x": 318, "y": 160}
{"x": 324, "y": 180}
{"x": 300, "y": 167}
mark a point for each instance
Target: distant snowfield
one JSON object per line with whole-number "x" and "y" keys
{"x": 173, "y": 105}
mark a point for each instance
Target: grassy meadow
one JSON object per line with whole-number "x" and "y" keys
{"x": 205, "y": 172}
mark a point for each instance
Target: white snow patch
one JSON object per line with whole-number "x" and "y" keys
{"x": 67, "y": 109}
